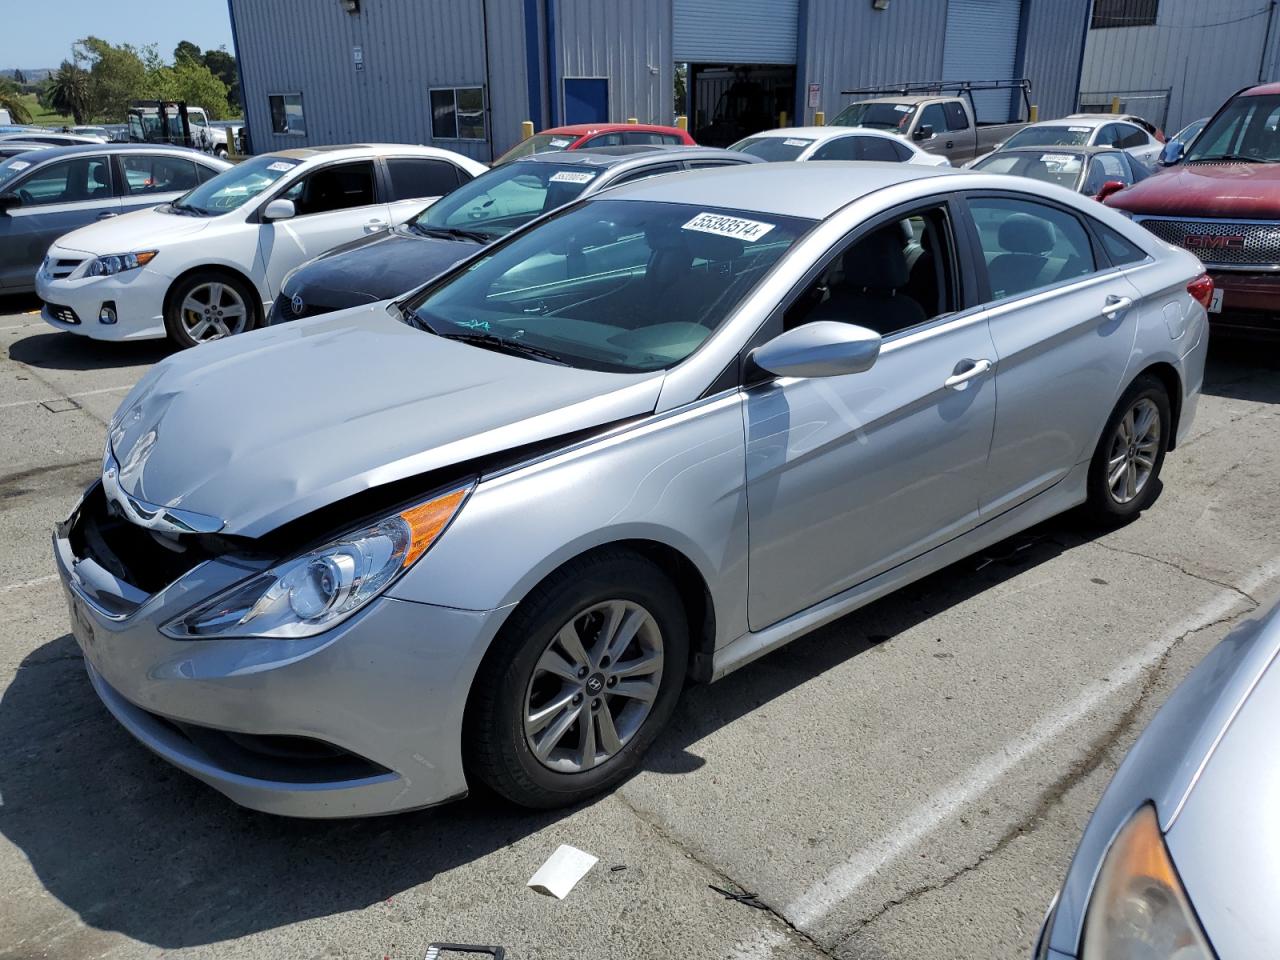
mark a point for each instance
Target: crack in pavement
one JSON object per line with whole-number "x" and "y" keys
{"x": 765, "y": 907}
{"x": 1053, "y": 795}
{"x": 1179, "y": 567}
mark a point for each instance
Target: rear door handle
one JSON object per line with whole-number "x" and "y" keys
{"x": 1115, "y": 304}
{"x": 960, "y": 379}
{"x": 107, "y": 214}
{"x": 950, "y": 144}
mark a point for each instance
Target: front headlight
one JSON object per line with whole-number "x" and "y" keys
{"x": 1139, "y": 910}
{"x": 310, "y": 593}
{"x": 117, "y": 262}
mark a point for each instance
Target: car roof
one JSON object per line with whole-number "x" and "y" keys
{"x": 582, "y": 129}
{"x": 52, "y": 152}
{"x": 1056, "y": 148}
{"x": 825, "y": 133}
{"x": 1261, "y": 90}
{"x": 359, "y": 150}
{"x": 615, "y": 156}
{"x": 814, "y": 190}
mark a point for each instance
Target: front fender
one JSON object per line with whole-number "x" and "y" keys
{"x": 675, "y": 479}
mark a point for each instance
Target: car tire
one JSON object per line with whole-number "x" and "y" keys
{"x": 1125, "y": 471}
{"x": 215, "y": 293}
{"x": 517, "y": 705}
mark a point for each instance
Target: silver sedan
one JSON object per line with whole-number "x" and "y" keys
{"x": 486, "y": 532}
{"x": 1178, "y": 860}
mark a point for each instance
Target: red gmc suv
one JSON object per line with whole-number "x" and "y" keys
{"x": 1220, "y": 199}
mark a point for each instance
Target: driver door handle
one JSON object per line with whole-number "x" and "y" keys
{"x": 960, "y": 380}
{"x": 107, "y": 214}
{"x": 1114, "y": 305}
{"x": 373, "y": 226}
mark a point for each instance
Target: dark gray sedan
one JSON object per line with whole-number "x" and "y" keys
{"x": 1096, "y": 172}
{"x": 393, "y": 261}
{"x": 47, "y": 193}
{"x": 1179, "y": 859}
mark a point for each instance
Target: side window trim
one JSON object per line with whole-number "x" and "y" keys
{"x": 280, "y": 191}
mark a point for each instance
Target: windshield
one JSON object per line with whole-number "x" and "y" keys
{"x": 539, "y": 143}
{"x": 1060, "y": 168}
{"x": 614, "y": 285}
{"x": 877, "y": 114}
{"x": 773, "y": 148}
{"x": 495, "y": 203}
{"x": 10, "y": 169}
{"x": 1189, "y": 132}
{"x": 1245, "y": 130}
{"x": 1050, "y": 137}
{"x": 233, "y": 187}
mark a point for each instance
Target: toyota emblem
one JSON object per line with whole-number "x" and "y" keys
{"x": 297, "y": 305}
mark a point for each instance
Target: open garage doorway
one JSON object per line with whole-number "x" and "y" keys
{"x": 728, "y": 101}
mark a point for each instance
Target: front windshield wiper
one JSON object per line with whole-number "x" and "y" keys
{"x": 489, "y": 341}
{"x": 181, "y": 207}
{"x": 451, "y": 233}
{"x": 1233, "y": 158}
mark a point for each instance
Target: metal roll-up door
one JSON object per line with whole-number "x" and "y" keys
{"x": 982, "y": 44}
{"x": 735, "y": 31}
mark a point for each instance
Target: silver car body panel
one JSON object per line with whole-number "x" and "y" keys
{"x": 1208, "y": 763}
{"x": 743, "y": 478}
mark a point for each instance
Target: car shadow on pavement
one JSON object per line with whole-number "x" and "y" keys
{"x": 66, "y": 351}
{"x": 1241, "y": 368}
{"x": 122, "y": 838}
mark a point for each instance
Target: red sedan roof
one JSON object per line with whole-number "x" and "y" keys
{"x": 1262, "y": 90}
{"x": 583, "y": 129}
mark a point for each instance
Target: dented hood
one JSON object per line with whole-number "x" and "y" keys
{"x": 265, "y": 427}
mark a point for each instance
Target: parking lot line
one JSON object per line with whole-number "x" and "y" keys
{"x": 9, "y": 588}
{"x": 69, "y": 396}
{"x": 816, "y": 903}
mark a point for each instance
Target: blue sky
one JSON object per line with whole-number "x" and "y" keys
{"x": 39, "y": 33}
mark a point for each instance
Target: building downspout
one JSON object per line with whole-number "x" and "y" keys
{"x": 244, "y": 99}
{"x": 802, "y": 64}
{"x": 1266, "y": 43}
{"x": 488, "y": 108}
{"x": 553, "y": 64}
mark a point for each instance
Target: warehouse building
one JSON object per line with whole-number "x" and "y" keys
{"x": 1174, "y": 61}
{"x": 463, "y": 74}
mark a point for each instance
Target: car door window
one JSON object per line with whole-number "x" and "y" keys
{"x": 646, "y": 173}
{"x": 880, "y": 148}
{"x": 1028, "y": 245}
{"x": 1110, "y": 135}
{"x": 933, "y": 116}
{"x": 413, "y": 177}
{"x": 708, "y": 164}
{"x": 841, "y": 148}
{"x": 1128, "y": 136}
{"x": 1120, "y": 251}
{"x": 957, "y": 119}
{"x": 642, "y": 137}
{"x": 339, "y": 187}
{"x": 156, "y": 173}
{"x": 67, "y": 181}
{"x": 898, "y": 276}
{"x": 604, "y": 140}
{"x": 670, "y": 139}
{"x": 1104, "y": 168}
{"x": 206, "y": 173}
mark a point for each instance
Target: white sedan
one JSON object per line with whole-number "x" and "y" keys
{"x": 835, "y": 143}
{"x": 207, "y": 265}
{"x": 1128, "y": 133}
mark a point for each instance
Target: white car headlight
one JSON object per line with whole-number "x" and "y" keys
{"x": 117, "y": 262}
{"x": 1139, "y": 910}
{"x": 317, "y": 590}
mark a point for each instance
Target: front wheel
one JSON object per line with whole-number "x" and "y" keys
{"x": 1123, "y": 477}
{"x": 579, "y": 682}
{"x": 207, "y": 306}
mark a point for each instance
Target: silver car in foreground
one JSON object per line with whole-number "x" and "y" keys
{"x": 488, "y": 530}
{"x": 1179, "y": 859}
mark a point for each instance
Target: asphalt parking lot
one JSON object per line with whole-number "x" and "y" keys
{"x": 908, "y": 782}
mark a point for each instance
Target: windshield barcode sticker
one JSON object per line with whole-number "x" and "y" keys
{"x": 797, "y": 143}
{"x": 1079, "y": 129}
{"x": 560, "y": 143}
{"x": 281, "y": 166}
{"x": 1056, "y": 158}
{"x": 902, "y": 107}
{"x": 722, "y": 226}
{"x": 573, "y": 176}
{"x": 18, "y": 164}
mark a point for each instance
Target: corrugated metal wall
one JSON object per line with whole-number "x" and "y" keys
{"x": 302, "y": 45}
{"x": 735, "y": 31}
{"x": 1199, "y": 52}
{"x": 1053, "y": 46}
{"x": 628, "y": 41}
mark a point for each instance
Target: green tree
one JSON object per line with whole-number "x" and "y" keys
{"x": 19, "y": 78}
{"x": 223, "y": 66}
{"x": 187, "y": 79}
{"x": 68, "y": 91}
{"x": 12, "y": 101}
{"x": 185, "y": 50}
{"x": 116, "y": 76}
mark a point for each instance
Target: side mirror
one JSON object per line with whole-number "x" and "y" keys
{"x": 8, "y": 201}
{"x": 824, "y": 348}
{"x": 1172, "y": 153}
{"x": 923, "y": 132}
{"x": 279, "y": 209}
{"x": 1108, "y": 188}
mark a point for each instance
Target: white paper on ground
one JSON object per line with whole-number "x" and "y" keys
{"x": 563, "y": 869}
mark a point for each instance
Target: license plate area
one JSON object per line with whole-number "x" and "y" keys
{"x": 1215, "y": 302}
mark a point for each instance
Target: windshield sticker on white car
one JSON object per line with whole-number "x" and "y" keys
{"x": 1079, "y": 129}
{"x": 573, "y": 176}
{"x": 902, "y": 107}
{"x": 722, "y": 226}
{"x": 281, "y": 166}
{"x": 558, "y": 142}
{"x": 797, "y": 143}
{"x": 18, "y": 164}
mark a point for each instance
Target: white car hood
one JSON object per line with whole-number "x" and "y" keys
{"x": 131, "y": 232}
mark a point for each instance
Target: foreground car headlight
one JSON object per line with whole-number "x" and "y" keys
{"x": 1139, "y": 910}
{"x": 310, "y": 593}
{"x": 117, "y": 262}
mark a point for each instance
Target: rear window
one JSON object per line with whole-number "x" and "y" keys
{"x": 773, "y": 148}
{"x": 1060, "y": 168}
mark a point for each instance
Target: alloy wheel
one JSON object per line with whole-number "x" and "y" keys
{"x": 594, "y": 686}
{"x": 1134, "y": 447}
{"x": 212, "y": 310}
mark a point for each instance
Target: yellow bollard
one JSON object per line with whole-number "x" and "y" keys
{"x": 526, "y": 129}
{"x": 1034, "y": 115}
{"x": 1115, "y": 104}
{"x": 682, "y": 122}
{"x": 782, "y": 118}
{"x": 819, "y": 119}
{"x": 632, "y": 120}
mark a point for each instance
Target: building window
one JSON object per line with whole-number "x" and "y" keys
{"x": 457, "y": 113}
{"x": 1124, "y": 13}
{"x": 286, "y": 114}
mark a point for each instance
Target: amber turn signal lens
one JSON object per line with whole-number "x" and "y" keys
{"x": 428, "y": 520}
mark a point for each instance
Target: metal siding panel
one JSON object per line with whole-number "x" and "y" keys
{"x": 982, "y": 44}
{"x": 1053, "y": 45}
{"x": 1200, "y": 53}
{"x": 735, "y": 31}
{"x": 627, "y": 42}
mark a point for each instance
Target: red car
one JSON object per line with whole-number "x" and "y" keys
{"x": 579, "y": 135}
{"x": 1220, "y": 199}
